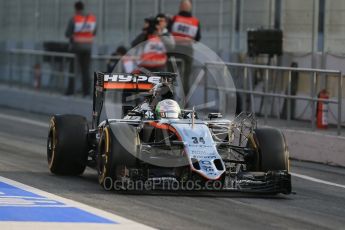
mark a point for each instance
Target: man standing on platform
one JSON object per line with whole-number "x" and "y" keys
{"x": 186, "y": 29}
{"x": 81, "y": 31}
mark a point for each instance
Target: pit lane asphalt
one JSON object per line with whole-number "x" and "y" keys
{"x": 314, "y": 206}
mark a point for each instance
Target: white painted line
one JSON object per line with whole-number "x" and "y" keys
{"x": 123, "y": 223}
{"x": 10, "y": 225}
{"x": 33, "y": 206}
{"x": 24, "y": 197}
{"x": 317, "y": 180}
{"x": 29, "y": 201}
{"x": 24, "y": 120}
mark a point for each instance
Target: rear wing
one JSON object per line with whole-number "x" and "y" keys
{"x": 117, "y": 82}
{"x": 122, "y": 82}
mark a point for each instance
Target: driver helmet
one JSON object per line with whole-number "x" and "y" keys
{"x": 167, "y": 109}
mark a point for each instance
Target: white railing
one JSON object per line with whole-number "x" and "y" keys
{"x": 247, "y": 88}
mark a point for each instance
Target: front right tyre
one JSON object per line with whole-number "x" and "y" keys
{"x": 272, "y": 155}
{"x": 272, "y": 149}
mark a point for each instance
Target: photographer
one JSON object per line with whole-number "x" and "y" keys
{"x": 152, "y": 51}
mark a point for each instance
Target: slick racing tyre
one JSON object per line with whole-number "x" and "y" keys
{"x": 67, "y": 145}
{"x": 272, "y": 150}
{"x": 117, "y": 148}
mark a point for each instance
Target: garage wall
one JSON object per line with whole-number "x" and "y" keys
{"x": 335, "y": 26}
{"x": 297, "y": 24}
{"x": 27, "y": 23}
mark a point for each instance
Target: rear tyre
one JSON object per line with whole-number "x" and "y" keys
{"x": 67, "y": 145}
{"x": 117, "y": 147}
{"x": 273, "y": 154}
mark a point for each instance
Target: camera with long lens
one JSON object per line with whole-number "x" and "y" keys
{"x": 153, "y": 22}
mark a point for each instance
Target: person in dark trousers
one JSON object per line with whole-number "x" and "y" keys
{"x": 81, "y": 30}
{"x": 186, "y": 29}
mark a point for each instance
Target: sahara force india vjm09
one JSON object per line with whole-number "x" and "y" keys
{"x": 160, "y": 143}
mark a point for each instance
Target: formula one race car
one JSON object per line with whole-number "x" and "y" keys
{"x": 164, "y": 147}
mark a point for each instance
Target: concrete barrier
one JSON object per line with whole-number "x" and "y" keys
{"x": 303, "y": 145}
{"x": 316, "y": 147}
{"x": 45, "y": 103}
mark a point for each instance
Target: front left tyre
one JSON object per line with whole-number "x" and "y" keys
{"x": 67, "y": 145}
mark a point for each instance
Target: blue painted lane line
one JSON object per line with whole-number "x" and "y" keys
{"x": 17, "y": 204}
{"x": 48, "y": 214}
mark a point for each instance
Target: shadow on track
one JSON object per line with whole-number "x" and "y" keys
{"x": 208, "y": 194}
{"x": 87, "y": 184}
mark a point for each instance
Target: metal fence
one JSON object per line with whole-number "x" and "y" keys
{"x": 23, "y": 64}
{"x": 54, "y": 68}
{"x": 55, "y": 74}
{"x": 248, "y": 89}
